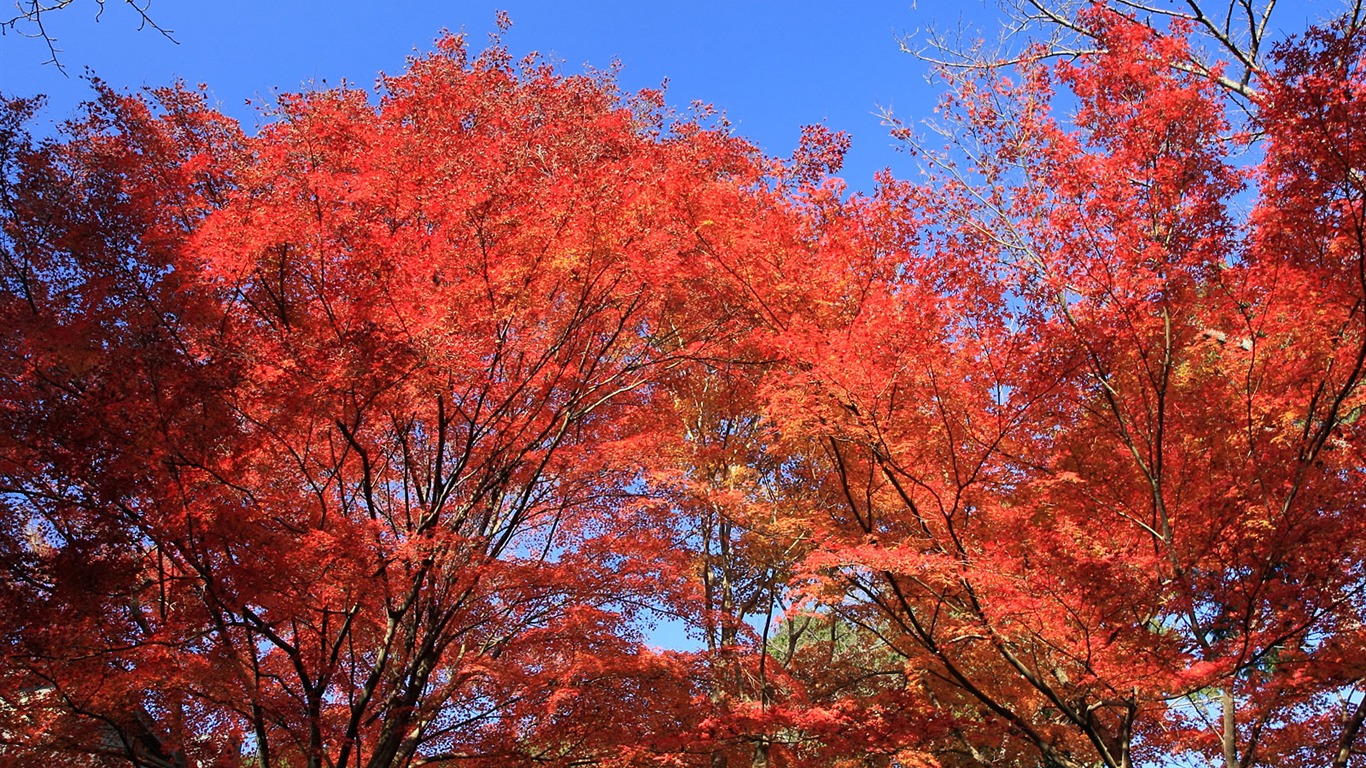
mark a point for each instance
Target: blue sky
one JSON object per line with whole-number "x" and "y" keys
{"x": 771, "y": 66}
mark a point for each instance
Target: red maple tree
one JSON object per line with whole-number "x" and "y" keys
{"x": 319, "y": 445}
{"x": 1093, "y": 483}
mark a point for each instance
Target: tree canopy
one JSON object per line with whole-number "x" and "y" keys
{"x": 379, "y": 437}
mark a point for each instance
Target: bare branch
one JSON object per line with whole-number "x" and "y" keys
{"x": 30, "y": 20}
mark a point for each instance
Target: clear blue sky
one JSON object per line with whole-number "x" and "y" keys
{"x": 771, "y": 66}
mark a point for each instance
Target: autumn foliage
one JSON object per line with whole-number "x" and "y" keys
{"x": 382, "y": 436}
